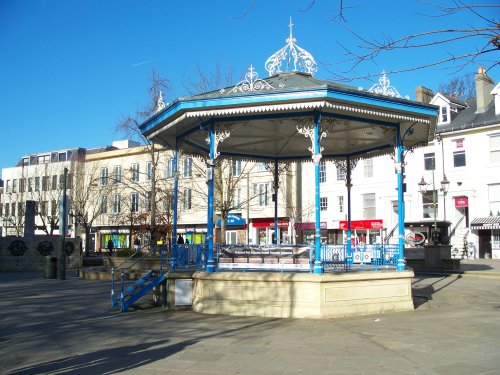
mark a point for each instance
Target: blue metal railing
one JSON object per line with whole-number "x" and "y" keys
{"x": 301, "y": 257}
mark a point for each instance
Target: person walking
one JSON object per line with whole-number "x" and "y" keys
{"x": 180, "y": 240}
{"x": 111, "y": 246}
{"x": 137, "y": 243}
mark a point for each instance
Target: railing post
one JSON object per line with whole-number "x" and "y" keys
{"x": 112, "y": 287}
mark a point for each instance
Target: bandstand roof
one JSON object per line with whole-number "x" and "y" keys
{"x": 263, "y": 116}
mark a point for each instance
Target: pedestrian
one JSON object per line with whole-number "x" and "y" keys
{"x": 187, "y": 241}
{"x": 180, "y": 240}
{"x": 137, "y": 243}
{"x": 111, "y": 245}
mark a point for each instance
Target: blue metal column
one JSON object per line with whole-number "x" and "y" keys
{"x": 276, "y": 185}
{"x": 175, "y": 171}
{"x": 349, "y": 259}
{"x": 318, "y": 266}
{"x": 401, "y": 209}
{"x": 175, "y": 203}
{"x": 210, "y": 214}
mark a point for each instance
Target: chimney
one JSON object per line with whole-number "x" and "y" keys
{"x": 423, "y": 94}
{"x": 484, "y": 86}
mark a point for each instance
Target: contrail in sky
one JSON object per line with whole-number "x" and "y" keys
{"x": 146, "y": 62}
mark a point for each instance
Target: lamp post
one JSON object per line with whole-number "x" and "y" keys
{"x": 445, "y": 184}
{"x": 422, "y": 187}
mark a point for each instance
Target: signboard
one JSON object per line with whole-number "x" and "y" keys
{"x": 363, "y": 224}
{"x": 232, "y": 220}
{"x": 415, "y": 238}
{"x": 285, "y": 257}
{"x": 269, "y": 223}
{"x": 461, "y": 202}
{"x": 309, "y": 226}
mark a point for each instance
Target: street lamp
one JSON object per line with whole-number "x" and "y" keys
{"x": 422, "y": 187}
{"x": 445, "y": 184}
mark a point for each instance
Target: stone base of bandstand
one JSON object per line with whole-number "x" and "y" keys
{"x": 300, "y": 295}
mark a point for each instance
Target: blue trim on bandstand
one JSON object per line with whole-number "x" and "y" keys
{"x": 299, "y": 95}
{"x": 210, "y": 213}
{"x": 318, "y": 266}
{"x": 401, "y": 218}
{"x": 175, "y": 168}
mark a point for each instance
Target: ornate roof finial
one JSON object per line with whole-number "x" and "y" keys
{"x": 292, "y": 54}
{"x": 160, "y": 104}
{"x": 384, "y": 87}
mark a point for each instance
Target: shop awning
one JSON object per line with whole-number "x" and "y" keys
{"x": 232, "y": 221}
{"x": 363, "y": 224}
{"x": 491, "y": 222}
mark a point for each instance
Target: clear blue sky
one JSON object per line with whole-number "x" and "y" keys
{"x": 70, "y": 70}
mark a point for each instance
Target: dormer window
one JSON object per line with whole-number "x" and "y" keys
{"x": 443, "y": 114}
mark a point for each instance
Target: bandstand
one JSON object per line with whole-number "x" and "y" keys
{"x": 288, "y": 117}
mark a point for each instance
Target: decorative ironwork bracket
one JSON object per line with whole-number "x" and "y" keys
{"x": 308, "y": 132}
{"x": 219, "y": 136}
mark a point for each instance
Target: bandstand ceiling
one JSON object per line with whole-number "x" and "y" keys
{"x": 263, "y": 119}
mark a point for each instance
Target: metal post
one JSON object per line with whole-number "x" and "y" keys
{"x": 401, "y": 219}
{"x": 175, "y": 169}
{"x": 318, "y": 267}
{"x": 276, "y": 185}
{"x": 62, "y": 257}
{"x": 348, "y": 185}
{"x": 210, "y": 213}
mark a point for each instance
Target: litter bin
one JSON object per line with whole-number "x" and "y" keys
{"x": 50, "y": 267}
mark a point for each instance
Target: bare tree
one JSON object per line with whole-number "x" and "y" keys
{"x": 461, "y": 87}
{"x": 129, "y": 126}
{"x": 485, "y": 37}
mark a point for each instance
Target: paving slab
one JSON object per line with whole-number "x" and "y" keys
{"x": 67, "y": 327}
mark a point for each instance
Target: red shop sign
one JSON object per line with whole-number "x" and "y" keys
{"x": 363, "y": 224}
{"x": 461, "y": 202}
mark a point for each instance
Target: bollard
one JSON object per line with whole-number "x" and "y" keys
{"x": 50, "y": 267}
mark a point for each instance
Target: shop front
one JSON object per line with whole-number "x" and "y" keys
{"x": 193, "y": 234}
{"x": 235, "y": 230}
{"x": 488, "y": 231}
{"x": 363, "y": 231}
{"x": 120, "y": 238}
{"x": 264, "y": 230}
{"x": 305, "y": 233}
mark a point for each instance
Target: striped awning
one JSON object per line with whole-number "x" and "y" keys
{"x": 491, "y": 222}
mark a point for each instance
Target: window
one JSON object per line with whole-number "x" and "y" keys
{"x": 45, "y": 183}
{"x": 7, "y": 209}
{"x": 322, "y": 171}
{"x": 187, "y": 170}
{"x": 20, "y": 209}
{"x": 494, "y": 198}
{"x": 495, "y": 148}
{"x": 340, "y": 174}
{"x": 118, "y": 174}
{"x": 186, "y": 199}
{"x": 323, "y": 203}
{"x": 237, "y": 197}
{"x": 135, "y": 172}
{"x": 459, "y": 158}
{"x": 236, "y": 167}
{"x": 30, "y": 184}
{"x": 14, "y": 186}
{"x": 104, "y": 204}
{"x": 340, "y": 201}
{"x": 1, "y": 209}
{"x": 69, "y": 181}
{"x": 428, "y": 204}
{"x": 37, "y": 183}
{"x": 22, "y": 185}
{"x": 134, "y": 202}
{"x": 26, "y": 161}
{"x": 7, "y": 186}
{"x": 104, "y": 176}
{"x": 149, "y": 171}
{"x": 368, "y": 168}
{"x": 62, "y": 156}
{"x": 429, "y": 161}
{"x": 43, "y": 208}
{"x": 43, "y": 159}
{"x": 369, "y": 206}
{"x": 261, "y": 167}
{"x": 262, "y": 191}
{"x": 53, "y": 208}
{"x": 13, "y": 209}
{"x": 169, "y": 173}
{"x": 147, "y": 201}
{"x": 116, "y": 203}
{"x": 231, "y": 237}
{"x": 54, "y": 182}
{"x": 443, "y": 113}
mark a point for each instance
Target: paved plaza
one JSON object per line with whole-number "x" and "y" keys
{"x": 67, "y": 327}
